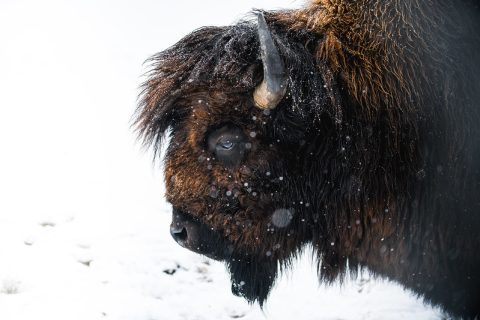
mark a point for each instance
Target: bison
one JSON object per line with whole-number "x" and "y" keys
{"x": 350, "y": 125}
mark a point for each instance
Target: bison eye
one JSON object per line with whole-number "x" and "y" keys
{"x": 228, "y": 145}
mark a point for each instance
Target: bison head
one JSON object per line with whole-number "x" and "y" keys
{"x": 238, "y": 168}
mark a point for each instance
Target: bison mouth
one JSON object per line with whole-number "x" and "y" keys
{"x": 252, "y": 276}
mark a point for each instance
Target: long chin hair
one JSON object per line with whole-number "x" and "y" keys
{"x": 252, "y": 277}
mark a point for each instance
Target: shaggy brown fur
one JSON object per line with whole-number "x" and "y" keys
{"x": 375, "y": 150}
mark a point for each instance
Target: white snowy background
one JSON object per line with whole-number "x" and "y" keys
{"x": 83, "y": 222}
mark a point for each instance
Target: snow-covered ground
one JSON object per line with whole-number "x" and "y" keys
{"x": 83, "y": 223}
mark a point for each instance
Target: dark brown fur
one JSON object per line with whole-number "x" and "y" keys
{"x": 375, "y": 149}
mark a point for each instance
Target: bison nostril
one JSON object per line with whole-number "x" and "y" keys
{"x": 179, "y": 233}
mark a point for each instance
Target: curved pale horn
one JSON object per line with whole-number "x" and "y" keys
{"x": 274, "y": 85}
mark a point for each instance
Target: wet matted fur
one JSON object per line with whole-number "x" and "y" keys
{"x": 373, "y": 156}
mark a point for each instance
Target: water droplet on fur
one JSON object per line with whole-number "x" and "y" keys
{"x": 282, "y": 217}
{"x": 253, "y": 134}
{"x": 213, "y": 192}
{"x": 421, "y": 174}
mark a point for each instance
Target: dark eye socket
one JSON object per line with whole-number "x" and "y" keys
{"x": 228, "y": 145}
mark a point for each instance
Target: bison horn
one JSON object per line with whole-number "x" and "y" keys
{"x": 274, "y": 85}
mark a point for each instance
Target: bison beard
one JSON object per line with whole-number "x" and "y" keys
{"x": 372, "y": 156}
